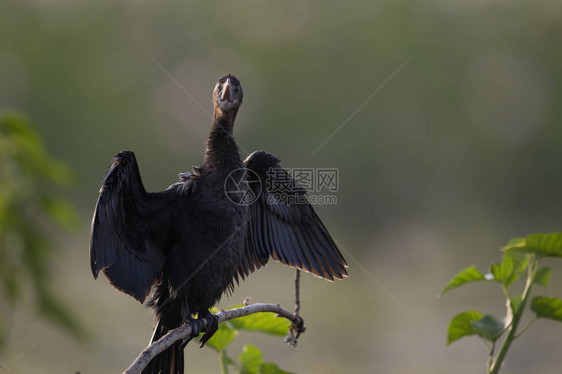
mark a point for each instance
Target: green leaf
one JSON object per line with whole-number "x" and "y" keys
{"x": 549, "y": 245}
{"x": 546, "y": 245}
{"x": 543, "y": 276}
{"x": 270, "y": 368}
{"x": 223, "y": 337}
{"x": 488, "y": 327}
{"x": 515, "y": 244}
{"x": 467, "y": 275}
{"x": 515, "y": 304}
{"x": 547, "y": 307}
{"x": 460, "y": 325}
{"x": 264, "y": 322}
{"x": 251, "y": 359}
{"x": 30, "y": 197}
{"x": 511, "y": 267}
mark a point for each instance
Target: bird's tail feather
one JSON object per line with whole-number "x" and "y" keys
{"x": 168, "y": 362}
{"x": 167, "y": 314}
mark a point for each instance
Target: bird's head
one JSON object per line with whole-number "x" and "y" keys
{"x": 227, "y": 95}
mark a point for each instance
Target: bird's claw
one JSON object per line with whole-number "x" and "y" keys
{"x": 195, "y": 330}
{"x": 212, "y": 322}
{"x": 184, "y": 176}
{"x": 185, "y": 342}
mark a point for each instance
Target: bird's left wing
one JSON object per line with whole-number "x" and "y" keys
{"x": 284, "y": 225}
{"x": 128, "y": 229}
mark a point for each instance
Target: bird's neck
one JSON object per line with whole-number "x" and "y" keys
{"x": 221, "y": 150}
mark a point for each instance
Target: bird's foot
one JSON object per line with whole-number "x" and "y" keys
{"x": 184, "y": 176}
{"x": 212, "y": 324}
{"x": 195, "y": 330}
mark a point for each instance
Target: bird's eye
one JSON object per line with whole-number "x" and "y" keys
{"x": 220, "y": 87}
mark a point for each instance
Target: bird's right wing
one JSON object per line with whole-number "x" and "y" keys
{"x": 128, "y": 229}
{"x": 289, "y": 231}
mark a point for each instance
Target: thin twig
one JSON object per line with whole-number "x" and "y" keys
{"x": 526, "y": 327}
{"x": 297, "y": 293}
{"x": 183, "y": 332}
{"x": 297, "y": 327}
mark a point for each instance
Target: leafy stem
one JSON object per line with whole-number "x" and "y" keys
{"x": 223, "y": 361}
{"x": 517, "y": 314}
{"x": 521, "y": 260}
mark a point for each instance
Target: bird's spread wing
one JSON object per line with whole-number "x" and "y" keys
{"x": 284, "y": 225}
{"x": 122, "y": 240}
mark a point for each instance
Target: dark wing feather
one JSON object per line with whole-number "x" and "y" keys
{"x": 289, "y": 232}
{"x": 122, "y": 240}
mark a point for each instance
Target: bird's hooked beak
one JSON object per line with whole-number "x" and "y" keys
{"x": 226, "y": 93}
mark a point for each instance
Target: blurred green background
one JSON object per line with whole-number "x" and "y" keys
{"x": 460, "y": 151}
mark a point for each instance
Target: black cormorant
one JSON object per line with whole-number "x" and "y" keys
{"x": 217, "y": 224}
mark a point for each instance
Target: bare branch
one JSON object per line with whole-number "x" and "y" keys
{"x": 184, "y": 331}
